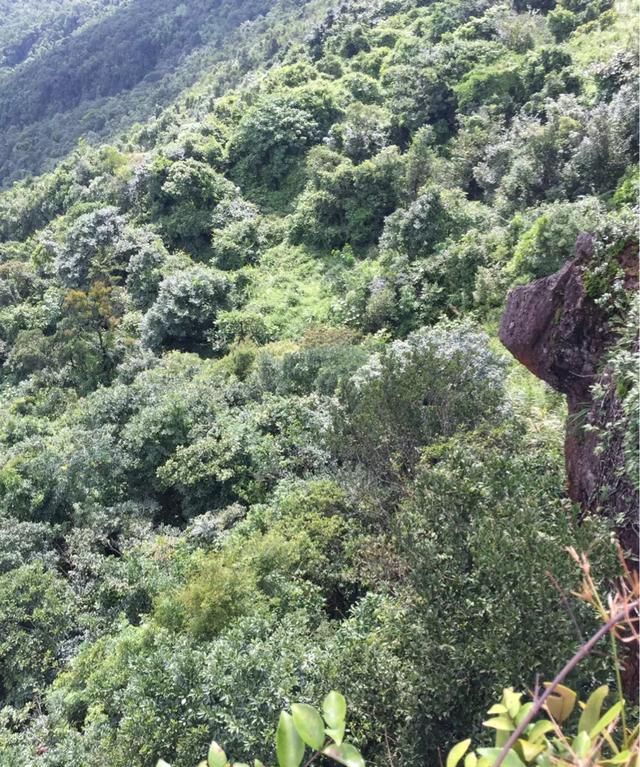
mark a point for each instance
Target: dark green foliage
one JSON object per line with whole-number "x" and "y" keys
{"x": 475, "y": 550}
{"x": 181, "y": 197}
{"x": 417, "y": 392}
{"x": 36, "y": 615}
{"x": 95, "y": 68}
{"x": 347, "y": 203}
{"x": 273, "y": 135}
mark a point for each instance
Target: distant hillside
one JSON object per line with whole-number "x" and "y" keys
{"x": 93, "y": 68}
{"x": 31, "y": 28}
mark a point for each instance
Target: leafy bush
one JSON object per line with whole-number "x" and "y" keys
{"x": 183, "y": 315}
{"x": 479, "y": 530}
{"x": 346, "y": 203}
{"x": 549, "y": 242}
{"x": 37, "y": 618}
{"x": 417, "y": 392}
{"x": 547, "y": 741}
{"x": 275, "y": 133}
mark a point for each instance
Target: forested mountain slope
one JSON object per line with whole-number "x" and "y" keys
{"x": 90, "y": 69}
{"x": 258, "y": 439}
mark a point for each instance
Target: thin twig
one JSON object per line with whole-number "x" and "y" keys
{"x": 386, "y": 742}
{"x": 566, "y": 603}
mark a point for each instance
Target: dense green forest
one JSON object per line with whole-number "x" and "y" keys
{"x": 258, "y": 438}
{"x": 91, "y": 68}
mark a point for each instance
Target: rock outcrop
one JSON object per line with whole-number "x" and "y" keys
{"x": 560, "y": 334}
{"x": 554, "y": 328}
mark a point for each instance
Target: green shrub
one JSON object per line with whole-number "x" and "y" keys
{"x": 304, "y": 728}
{"x": 479, "y": 532}
{"x": 37, "y": 617}
{"x": 183, "y": 315}
{"x": 414, "y": 393}
{"x": 220, "y": 592}
{"x": 549, "y": 243}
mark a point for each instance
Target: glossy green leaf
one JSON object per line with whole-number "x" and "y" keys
{"x": 501, "y": 738}
{"x": 336, "y": 734}
{"x": 471, "y": 760}
{"x": 457, "y": 752}
{"x": 503, "y": 723}
{"x": 624, "y": 757}
{"x": 524, "y": 710}
{"x": 511, "y": 760}
{"x": 581, "y": 744}
{"x": 606, "y": 719}
{"x": 592, "y": 710}
{"x": 539, "y": 730}
{"x": 529, "y": 751}
{"x": 216, "y": 756}
{"x": 511, "y": 700}
{"x": 257, "y": 763}
{"x": 289, "y": 745}
{"x": 345, "y": 754}
{"x": 334, "y": 709}
{"x": 497, "y": 708}
{"x": 309, "y": 725}
{"x": 162, "y": 763}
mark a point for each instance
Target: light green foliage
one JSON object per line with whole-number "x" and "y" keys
{"x": 218, "y": 594}
{"x": 549, "y": 243}
{"x": 553, "y": 740}
{"x": 289, "y": 291}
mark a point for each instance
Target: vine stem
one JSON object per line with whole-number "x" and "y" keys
{"x": 560, "y": 677}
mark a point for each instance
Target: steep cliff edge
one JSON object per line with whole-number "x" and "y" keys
{"x": 559, "y": 330}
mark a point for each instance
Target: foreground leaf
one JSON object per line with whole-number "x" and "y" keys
{"x": 503, "y": 723}
{"x": 592, "y": 710}
{"x": 334, "y": 709}
{"x": 529, "y": 750}
{"x": 457, "y": 752}
{"x": 561, "y": 702}
{"x": 309, "y": 725}
{"x": 511, "y": 760}
{"x": 289, "y": 745}
{"x": 606, "y": 719}
{"x": 581, "y": 744}
{"x": 345, "y": 754}
{"x": 539, "y": 730}
{"x": 216, "y": 756}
